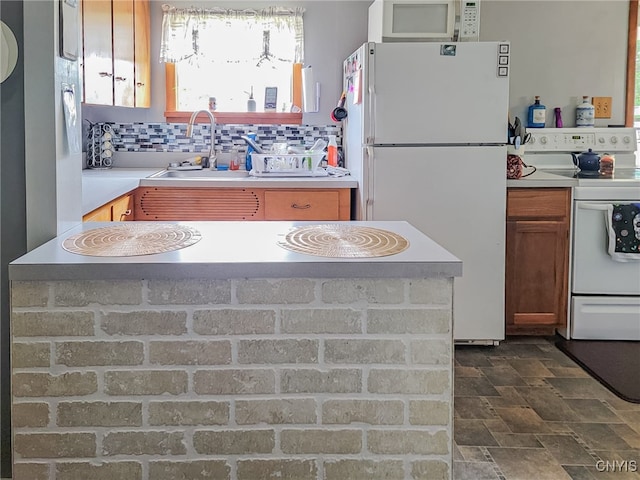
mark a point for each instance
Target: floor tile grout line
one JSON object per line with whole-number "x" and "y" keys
{"x": 495, "y": 466}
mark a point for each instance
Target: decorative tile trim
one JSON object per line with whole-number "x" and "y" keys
{"x": 171, "y": 137}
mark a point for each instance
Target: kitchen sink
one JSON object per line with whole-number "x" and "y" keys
{"x": 204, "y": 173}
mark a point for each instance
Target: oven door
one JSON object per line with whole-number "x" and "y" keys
{"x": 594, "y": 271}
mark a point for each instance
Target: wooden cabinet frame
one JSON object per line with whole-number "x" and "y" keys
{"x": 537, "y": 260}
{"x": 207, "y": 204}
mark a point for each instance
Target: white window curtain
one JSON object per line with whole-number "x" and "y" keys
{"x": 205, "y": 34}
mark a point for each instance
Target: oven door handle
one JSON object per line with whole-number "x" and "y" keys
{"x": 594, "y": 206}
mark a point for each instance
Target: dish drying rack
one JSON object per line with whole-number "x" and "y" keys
{"x": 287, "y": 165}
{"x": 100, "y": 145}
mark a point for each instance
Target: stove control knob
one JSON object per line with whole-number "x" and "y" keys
{"x": 627, "y": 139}
{"x": 614, "y": 140}
{"x": 601, "y": 139}
{"x": 543, "y": 140}
{"x": 532, "y": 140}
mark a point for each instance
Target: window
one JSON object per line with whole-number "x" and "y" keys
{"x": 226, "y": 54}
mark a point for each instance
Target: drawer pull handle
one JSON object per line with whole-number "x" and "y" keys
{"x": 301, "y": 207}
{"x": 105, "y": 74}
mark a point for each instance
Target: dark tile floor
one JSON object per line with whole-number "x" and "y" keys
{"x": 525, "y": 411}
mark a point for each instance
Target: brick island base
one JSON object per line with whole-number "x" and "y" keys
{"x": 248, "y": 379}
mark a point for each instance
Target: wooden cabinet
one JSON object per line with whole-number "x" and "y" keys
{"x": 116, "y": 52}
{"x": 537, "y": 260}
{"x": 142, "y": 48}
{"x": 305, "y": 204}
{"x": 97, "y": 52}
{"x": 118, "y": 210}
{"x": 196, "y": 204}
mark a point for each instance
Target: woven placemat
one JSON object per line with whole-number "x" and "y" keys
{"x": 344, "y": 241}
{"x": 132, "y": 238}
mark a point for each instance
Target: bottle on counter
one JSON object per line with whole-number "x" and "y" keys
{"x": 558, "y": 113}
{"x": 251, "y": 103}
{"x": 234, "y": 161}
{"x": 607, "y": 164}
{"x": 247, "y": 158}
{"x": 537, "y": 114}
{"x": 332, "y": 152}
{"x": 585, "y": 113}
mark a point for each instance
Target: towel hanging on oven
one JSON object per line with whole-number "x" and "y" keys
{"x": 623, "y": 226}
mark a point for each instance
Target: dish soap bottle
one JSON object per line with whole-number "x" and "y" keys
{"x": 248, "y": 164}
{"x": 537, "y": 114}
{"x": 585, "y": 113}
{"x": 251, "y": 103}
{"x": 332, "y": 152}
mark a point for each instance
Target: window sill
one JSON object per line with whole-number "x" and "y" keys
{"x": 277, "y": 118}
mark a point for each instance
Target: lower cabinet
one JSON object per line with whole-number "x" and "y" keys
{"x": 201, "y": 204}
{"x": 537, "y": 260}
{"x": 118, "y": 210}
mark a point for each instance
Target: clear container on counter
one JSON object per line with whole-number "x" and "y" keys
{"x": 607, "y": 164}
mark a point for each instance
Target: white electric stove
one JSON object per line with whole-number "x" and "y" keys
{"x": 605, "y": 288}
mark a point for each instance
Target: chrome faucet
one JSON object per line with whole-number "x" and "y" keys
{"x": 212, "y": 158}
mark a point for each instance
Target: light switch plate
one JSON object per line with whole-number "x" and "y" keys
{"x": 602, "y": 106}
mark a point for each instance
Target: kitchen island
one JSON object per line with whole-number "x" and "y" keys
{"x": 233, "y": 358}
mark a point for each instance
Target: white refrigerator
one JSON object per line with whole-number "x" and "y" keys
{"x": 425, "y": 135}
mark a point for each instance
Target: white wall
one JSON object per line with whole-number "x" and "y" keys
{"x": 561, "y": 50}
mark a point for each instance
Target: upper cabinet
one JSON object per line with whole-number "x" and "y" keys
{"x": 116, "y": 52}
{"x": 142, "y": 40}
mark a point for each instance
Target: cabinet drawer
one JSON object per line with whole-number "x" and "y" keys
{"x": 302, "y": 205}
{"x": 538, "y": 202}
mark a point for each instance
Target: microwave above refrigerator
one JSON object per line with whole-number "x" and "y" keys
{"x": 424, "y": 20}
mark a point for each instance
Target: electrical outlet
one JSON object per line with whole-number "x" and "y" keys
{"x": 603, "y": 107}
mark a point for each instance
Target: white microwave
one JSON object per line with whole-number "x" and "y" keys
{"x": 424, "y": 20}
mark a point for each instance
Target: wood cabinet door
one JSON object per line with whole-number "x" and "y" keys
{"x": 122, "y": 209}
{"x": 123, "y": 54}
{"x": 169, "y": 203}
{"x": 101, "y": 214}
{"x": 536, "y": 276}
{"x": 142, "y": 33}
{"x": 98, "y": 59}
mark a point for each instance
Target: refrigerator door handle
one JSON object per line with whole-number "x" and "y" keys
{"x": 368, "y": 201}
{"x": 371, "y": 88}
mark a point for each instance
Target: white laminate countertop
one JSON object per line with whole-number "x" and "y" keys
{"x": 541, "y": 179}
{"x": 237, "y": 250}
{"x": 102, "y": 186}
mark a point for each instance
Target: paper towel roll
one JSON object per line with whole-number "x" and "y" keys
{"x": 310, "y": 91}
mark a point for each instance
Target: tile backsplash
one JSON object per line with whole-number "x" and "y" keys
{"x": 171, "y": 137}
